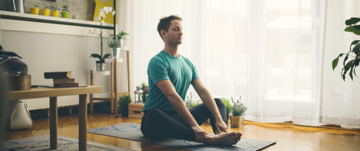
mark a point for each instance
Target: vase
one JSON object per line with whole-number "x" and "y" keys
{"x": 144, "y": 97}
{"x": 236, "y": 121}
{"x": 125, "y": 111}
{"x": 100, "y": 66}
{"x": 115, "y": 52}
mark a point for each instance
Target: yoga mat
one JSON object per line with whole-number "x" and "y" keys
{"x": 132, "y": 131}
{"x": 42, "y": 142}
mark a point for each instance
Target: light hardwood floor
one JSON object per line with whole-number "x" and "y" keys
{"x": 289, "y": 137}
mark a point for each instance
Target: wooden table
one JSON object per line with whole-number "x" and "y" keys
{"x": 53, "y": 93}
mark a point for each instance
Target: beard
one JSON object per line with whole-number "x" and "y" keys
{"x": 175, "y": 42}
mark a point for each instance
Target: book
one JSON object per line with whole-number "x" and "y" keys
{"x": 59, "y": 85}
{"x": 57, "y": 75}
{"x": 64, "y": 80}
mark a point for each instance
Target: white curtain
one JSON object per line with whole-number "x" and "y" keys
{"x": 266, "y": 51}
{"x": 340, "y": 99}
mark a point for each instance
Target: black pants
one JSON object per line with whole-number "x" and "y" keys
{"x": 158, "y": 124}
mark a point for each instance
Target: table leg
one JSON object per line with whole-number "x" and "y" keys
{"x": 53, "y": 122}
{"x": 82, "y": 122}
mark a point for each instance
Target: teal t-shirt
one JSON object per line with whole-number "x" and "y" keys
{"x": 179, "y": 70}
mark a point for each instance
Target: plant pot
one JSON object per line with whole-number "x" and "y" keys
{"x": 65, "y": 14}
{"x": 144, "y": 97}
{"x": 34, "y": 10}
{"x": 236, "y": 121}
{"x": 45, "y": 12}
{"x": 125, "y": 111}
{"x": 115, "y": 52}
{"x": 55, "y": 13}
{"x": 100, "y": 66}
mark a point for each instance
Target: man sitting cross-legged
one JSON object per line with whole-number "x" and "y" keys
{"x": 170, "y": 75}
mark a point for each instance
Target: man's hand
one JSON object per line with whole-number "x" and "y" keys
{"x": 220, "y": 126}
{"x": 200, "y": 133}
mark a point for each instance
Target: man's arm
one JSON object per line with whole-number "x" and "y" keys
{"x": 176, "y": 101}
{"x": 209, "y": 102}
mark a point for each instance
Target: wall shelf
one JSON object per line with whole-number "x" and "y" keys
{"x": 52, "y": 20}
{"x": 14, "y": 21}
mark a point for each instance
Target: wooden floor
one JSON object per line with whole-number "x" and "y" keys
{"x": 289, "y": 137}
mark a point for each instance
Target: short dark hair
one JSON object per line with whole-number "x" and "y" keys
{"x": 165, "y": 23}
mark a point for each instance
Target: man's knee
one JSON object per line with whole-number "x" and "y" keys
{"x": 219, "y": 102}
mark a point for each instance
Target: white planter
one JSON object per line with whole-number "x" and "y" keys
{"x": 115, "y": 52}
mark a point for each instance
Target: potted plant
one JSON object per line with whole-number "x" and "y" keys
{"x": 34, "y": 10}
{"x": 54, "y": 12}
{"x": 65, "y": 11}
{"x": 190, "y": 103}
{"x": 354, "y": 50}
{"x": 114, "y": 45}
{"x": 120, "y": 36}
{"x": 45, "y": 11}
{"x": 227, "y": 106}
{"x": 238, "y": 110}
{"x": 124, "y": 101}
{"x": 145, "y": 89}
{"x": 100, "y": 65}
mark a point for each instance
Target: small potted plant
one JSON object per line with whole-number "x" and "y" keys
{"x": 238, "y": 109}
{"x": 120, "y": 36}
{"x": 54, "y": 12}
{"x": 100, "y": 65}
{"x": 45, "y": 11}
{"x": 227, "y": 106}
{"x": 65, "y": 11}
{"x": 34, "y": 10}
{"x": 190, "y": 103}
{"x": 102, "y": 58}
{"x": 124, "y": 101}
{"x": 114, "y": 45}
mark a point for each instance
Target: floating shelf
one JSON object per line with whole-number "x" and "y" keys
{"x": 112, "y": 59}
{"x": 101, "y": 72}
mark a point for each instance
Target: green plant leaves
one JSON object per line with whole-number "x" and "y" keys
{"x": 95, "y": 55}
{"x": 124, "y": 100}
{"x": 356, "y": 49}
{"x": 106, "y": 56}
{"x": 352, "y": 20}
{"x": 346, "y": 69}
{"x": 336, "y": 61}
{"x": 354, "y": 29}
{"x": 346, "y": 58}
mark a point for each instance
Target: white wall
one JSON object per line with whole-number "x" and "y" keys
{"x": 57, "y": 49}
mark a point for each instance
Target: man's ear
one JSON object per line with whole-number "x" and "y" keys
{"x": 163, "y": 33}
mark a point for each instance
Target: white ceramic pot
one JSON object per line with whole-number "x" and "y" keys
{"x": 115, "y": 52}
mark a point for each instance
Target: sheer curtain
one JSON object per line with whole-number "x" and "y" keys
{"x": 340, "y": 101}
{"x": 266, "y": 51}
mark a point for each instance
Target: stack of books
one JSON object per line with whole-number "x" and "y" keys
{"x": 61, "y": 79}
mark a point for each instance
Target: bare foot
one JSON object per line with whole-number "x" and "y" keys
{"x": 238, "y": 136}
{"x": 222, "y": 139}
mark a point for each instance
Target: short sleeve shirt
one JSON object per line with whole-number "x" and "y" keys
{"x": 179, "y": 70}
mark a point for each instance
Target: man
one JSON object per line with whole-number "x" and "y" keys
{"x": 170, "y": 75}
